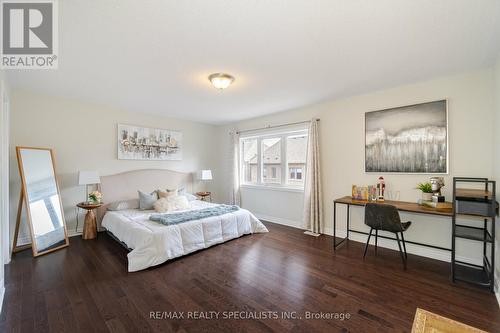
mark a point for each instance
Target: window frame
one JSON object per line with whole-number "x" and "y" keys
{"x": 259, "y": 184}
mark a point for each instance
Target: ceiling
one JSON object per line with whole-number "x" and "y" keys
{"x": 154, "y": 56}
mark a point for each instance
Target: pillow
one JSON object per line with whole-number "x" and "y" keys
{"x": 164, "y": 205}
{"x": 189, "y": 196}
{"x": 182, "y": 191}
{"x": 146, "y": 201}
{"x": 167, "y": 193}
{"x": 125, "y": 204}
{"x": 180, "y": 202}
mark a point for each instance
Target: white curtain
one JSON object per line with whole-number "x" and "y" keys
{"x": 234, "y": 167}
{"x": 313, "y": 198}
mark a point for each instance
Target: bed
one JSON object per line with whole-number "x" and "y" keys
{"x": 151, "y": 243}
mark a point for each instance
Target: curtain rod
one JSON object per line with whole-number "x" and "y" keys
{"x": 275, "y": 126}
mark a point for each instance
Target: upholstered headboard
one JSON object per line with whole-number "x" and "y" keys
{"x": 124, "y": 186}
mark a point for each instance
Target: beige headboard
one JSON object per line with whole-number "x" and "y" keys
{"x": 124, "y": 186}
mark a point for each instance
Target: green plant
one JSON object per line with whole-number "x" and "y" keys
{"x": 425, "y": 187}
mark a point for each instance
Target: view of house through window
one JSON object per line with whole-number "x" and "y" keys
{"x": 249, "y": 158}
{"x": 278, "y": 160}
{"x": 271, "y": 161}
{"x": 296, "y": 152}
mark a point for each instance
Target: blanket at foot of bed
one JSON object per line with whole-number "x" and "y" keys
{"x": 176, "y": 218}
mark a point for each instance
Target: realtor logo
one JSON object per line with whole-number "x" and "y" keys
{"x": 29, "y": 34}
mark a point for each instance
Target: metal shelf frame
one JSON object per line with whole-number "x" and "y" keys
{"x": 462, "y": 271}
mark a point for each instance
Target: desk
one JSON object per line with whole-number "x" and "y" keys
{"x": 402, "y": 206}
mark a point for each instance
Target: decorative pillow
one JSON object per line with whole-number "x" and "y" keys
{"x": 125, "y": 204}
{"x": 180, "y": 202}
{"x": 147, "y": 200}
{"x": 167, "y": 193}
{"x": 189, "y": 196}
{"x": 164, "y": 205}
{"x": 181, "y": 191}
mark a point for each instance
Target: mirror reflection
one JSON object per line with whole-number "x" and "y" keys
{"x": 43, "y": 199}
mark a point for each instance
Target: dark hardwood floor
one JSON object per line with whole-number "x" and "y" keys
{"x": 86, "y": 288}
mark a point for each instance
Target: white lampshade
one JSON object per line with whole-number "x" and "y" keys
{"x": 206, "y": 175}
{"x": 88, "y": 178}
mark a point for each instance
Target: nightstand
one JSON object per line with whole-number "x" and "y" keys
{"x": 205, "y": 196}
{"x": 90, "y": 223}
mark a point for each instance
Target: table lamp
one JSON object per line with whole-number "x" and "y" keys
{"x": 88, "y": 178}
{"x": 206, "y": 175}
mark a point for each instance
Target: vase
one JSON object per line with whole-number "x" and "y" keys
{"x": 426, "y": 196}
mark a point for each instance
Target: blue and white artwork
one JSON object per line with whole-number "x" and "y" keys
{"x": 144, "y": 143}
{"x": 408, "y": 139}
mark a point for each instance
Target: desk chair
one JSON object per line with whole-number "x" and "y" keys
{"x": 386, "y": 218}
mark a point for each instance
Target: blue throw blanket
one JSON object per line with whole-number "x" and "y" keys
{"x": 176, "y": 218}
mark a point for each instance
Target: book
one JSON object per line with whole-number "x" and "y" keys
{"x": 437, "y": 205}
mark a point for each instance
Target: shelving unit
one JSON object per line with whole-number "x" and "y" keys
{"x": 475, "y": 203}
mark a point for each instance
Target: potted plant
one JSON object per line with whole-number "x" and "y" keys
{"x": 426, "y": 189}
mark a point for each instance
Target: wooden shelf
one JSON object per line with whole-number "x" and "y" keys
{"x": 472, "y": 233}
{"x": 472, "y": 194}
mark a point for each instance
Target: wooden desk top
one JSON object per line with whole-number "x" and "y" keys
{"x": 403, "y": 206}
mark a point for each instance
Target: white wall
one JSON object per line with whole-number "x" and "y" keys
{"x": 496, "y": 166}
{"x": 4, "y": 183}
{"x": 84, "y": 137}
{"x": 471, "y": 115}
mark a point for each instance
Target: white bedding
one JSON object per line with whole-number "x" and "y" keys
{"x": 153, "y": 243}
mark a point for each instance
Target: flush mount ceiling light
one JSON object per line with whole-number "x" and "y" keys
{"x": 221, "y": 80}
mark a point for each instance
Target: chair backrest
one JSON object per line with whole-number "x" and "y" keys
{"x": 383, "y": 217}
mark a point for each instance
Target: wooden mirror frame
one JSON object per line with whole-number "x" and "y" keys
{"x": 23, "y": 201}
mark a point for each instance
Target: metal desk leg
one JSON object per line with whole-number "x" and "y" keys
{"x": 348, "y": 221}
{"x": 334, "y": 225}
{"x": 335, "y": 244}
{"x": 77, "y": 211}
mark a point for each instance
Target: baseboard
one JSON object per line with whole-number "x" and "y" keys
{"x": 422, "y": 251}
{"x": 497, "y": 290}
{"x": 72, "y": 233}
{"x": 279, "y": 220}
{"x": 2, "y": 294}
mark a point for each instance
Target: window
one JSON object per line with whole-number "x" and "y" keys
{"x": 249, "y": 161}
{"x": 271, "y": 159}
{"x": 274, "y": 159}
{"x": 295, "y": 173}
{"x": 296, "y": 152}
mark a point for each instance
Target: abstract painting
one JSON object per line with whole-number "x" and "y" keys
{"x": 408, "y": 139}
{"x": 143, "y": 143}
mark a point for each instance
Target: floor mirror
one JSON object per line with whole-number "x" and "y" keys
{"x": 41, "y": 200}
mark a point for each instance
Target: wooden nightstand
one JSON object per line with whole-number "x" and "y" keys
{"x": 205, "y": 196}
{"x": 90, "y": 223}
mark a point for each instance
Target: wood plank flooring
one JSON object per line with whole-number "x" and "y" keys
{"x": 86, "y": 288}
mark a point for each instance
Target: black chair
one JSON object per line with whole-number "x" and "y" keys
{"x": 386, "y": 218}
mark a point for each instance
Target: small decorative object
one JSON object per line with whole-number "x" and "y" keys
{"x": 364, "y": 193}
{"x": 437, "y": 183}
{"x": 380, "y": 189}
{"x": 372, "y": 193}
{"x": 95, "y": 197}
{"x": 354, "y": 192}
{"x": 426, "y": 189}
{"x": 408, "y": 139}
{"x": 143, "y": 143}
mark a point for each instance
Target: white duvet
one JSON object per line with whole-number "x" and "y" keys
{"x": 153, "y": 243}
